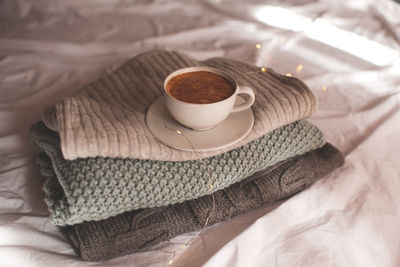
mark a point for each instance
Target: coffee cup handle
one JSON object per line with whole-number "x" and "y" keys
{"x": 244, "y": 90}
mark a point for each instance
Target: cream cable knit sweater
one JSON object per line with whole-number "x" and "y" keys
{"x": 106, "y": 118}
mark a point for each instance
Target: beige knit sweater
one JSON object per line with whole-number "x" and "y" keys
{"x": 106, "y": 118}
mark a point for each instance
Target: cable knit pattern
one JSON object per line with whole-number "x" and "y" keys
{"x": 140, "y": 229}
{"x": 106, "y": 118}
{"x": 97, "y": 188}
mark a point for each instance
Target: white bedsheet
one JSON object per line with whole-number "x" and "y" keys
{"x": 346, "y": 51}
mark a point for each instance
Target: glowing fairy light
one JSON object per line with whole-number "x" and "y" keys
{"x": 324, "y": 88}
{"x": 263, "y": 69}
{"x": 288, "y": 74}
{"x": 258, "y": 46}
{"x": 299, "y": 68}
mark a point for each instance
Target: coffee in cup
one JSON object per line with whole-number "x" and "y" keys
{"x": 199, "y": 87}
{"x": 202, "y": 97}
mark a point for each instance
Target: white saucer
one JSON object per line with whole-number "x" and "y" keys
{"x": 231, "y": 130}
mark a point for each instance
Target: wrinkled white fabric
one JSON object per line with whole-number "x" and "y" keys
{"x": 347, "y": 52}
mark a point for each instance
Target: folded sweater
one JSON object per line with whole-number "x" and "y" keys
{"x": 106, "y": 118}
{"x": 140, "y": 229}
{"x": 97, "y": 188}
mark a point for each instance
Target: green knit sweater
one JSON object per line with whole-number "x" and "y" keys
{"x": 98, "y": 188}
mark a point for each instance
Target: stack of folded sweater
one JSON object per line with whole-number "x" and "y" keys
{"x": 114, "y": 189}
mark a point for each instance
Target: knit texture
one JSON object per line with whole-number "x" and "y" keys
{"x": 106, "y": 118}
{"x": 140, "y": 229}
{"x": 97, "y": 188}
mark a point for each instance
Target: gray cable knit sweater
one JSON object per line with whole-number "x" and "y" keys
{"x": 97, "y": 188}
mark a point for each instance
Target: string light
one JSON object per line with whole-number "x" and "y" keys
{"x": 209, "y": 184}
{"x": 288, "y": 74}
{"x": 258, "y": 46}
{"x": 324, "y": 88}
{"x": 263, "y": 69}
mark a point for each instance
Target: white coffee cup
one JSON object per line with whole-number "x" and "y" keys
{"x": 206, "y": 116}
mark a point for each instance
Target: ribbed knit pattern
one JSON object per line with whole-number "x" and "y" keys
{"x": 107, "y": 117}
{"x": 140, "y": 229}
{"x": 97, "y": 188}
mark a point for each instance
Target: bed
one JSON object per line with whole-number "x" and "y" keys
{"x": 346, "y": 52}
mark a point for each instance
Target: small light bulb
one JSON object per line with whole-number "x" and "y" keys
{"x": 324, "y": 87}
{"x": 299, "y": 68}
{"x": 263, "y": 69}
{"x": 258, "y": 46}
{"x": 289, "y": 74}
